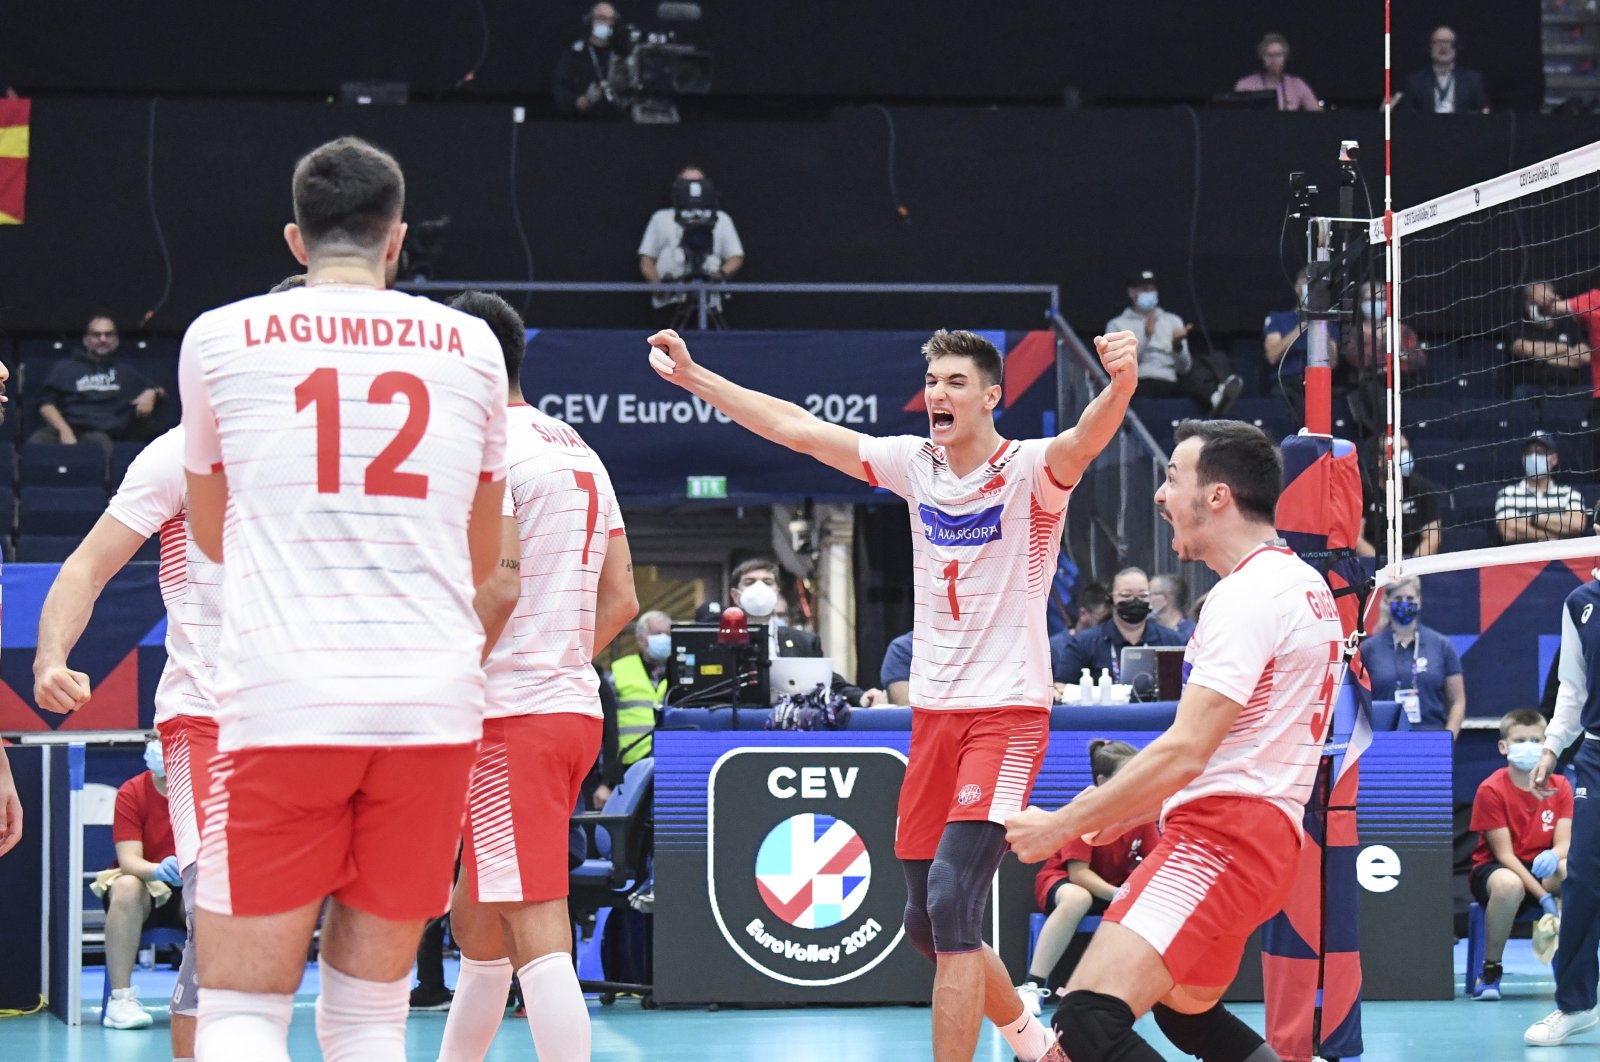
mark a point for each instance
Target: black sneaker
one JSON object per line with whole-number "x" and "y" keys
{"x": 431, "y": 997}
{"x": 1226, "y": 394}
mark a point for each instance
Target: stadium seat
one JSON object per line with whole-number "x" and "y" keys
{"x": 1426, "y": 414}
{"x": 1268, "y": 414}
{"x": 45, "y": 549}
{"x": 52, "y": 464}
{"x": 1457, "y": 539}
{"x": 623, "y": 833}
{"x": 1474, "y": 505}
{"x": 1089, "y": 924}
{"x": 1477, "y": 938}
{"x": 122, "y": 455}
{"x": 60, "y": 510}
{"x": 1563, "y": 415}
{"x": 8, "y": 467}
{"x": 149, "y": 550}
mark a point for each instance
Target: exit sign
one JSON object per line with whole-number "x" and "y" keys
{"x": 708, "y": 486}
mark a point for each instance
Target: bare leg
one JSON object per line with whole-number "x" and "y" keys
{"x": 129, "y": 907}
{"x": 1505, "y": 896}
{"x": 1072, "y": 903}
{"x": 183, "y": 1036}
{"x": 263, "y": 954}
{"x": 368, "y": 947}
{"x": 958, "y": 997}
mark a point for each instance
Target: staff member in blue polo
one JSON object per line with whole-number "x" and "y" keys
{"x": 1415, "y": 665}
{"x": 1577, "y": 717}
{"x": 1100, "y": 648}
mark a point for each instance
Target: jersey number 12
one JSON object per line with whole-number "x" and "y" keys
{"x": 383, "y": 477}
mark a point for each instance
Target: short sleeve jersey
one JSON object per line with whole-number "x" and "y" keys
{"x": 985, "y": 550}
{"x": 1269, "y": 639}
{"x": 1114, "y": 862}
{"x": 1531, "y": 820}
{"x": 152, "y": 501}
{"x": 141, "y": 815}
{"x": 354, "y": 427}
{"x": 567, "y": 515}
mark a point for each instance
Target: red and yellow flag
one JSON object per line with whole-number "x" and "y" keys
{"x": 14, "y": 115}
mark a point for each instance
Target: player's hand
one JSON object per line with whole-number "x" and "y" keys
{"x": 60, "y": 689}
{"x": 1119, "y": 353}
{"x": 1545, "y": 863}
{"x": 10, "y": 813}
{"x": 1548, "y": 903}
{"x": 1033, "y": 834}
{"x": 167, "y": 871}
{"x": 669, "y": 357}
{"x": 1540, "y": 778}
{"x": 873, "y": 698}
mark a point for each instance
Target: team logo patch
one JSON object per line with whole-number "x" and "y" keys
{"x": 969, "y": 795}
{"x": 971, "y": 529}
{"x": 995, "y": 483}
{"x": 813, "y": 871}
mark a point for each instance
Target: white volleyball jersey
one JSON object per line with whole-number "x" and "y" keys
{"x": 1269, "y": 638}
{"x": 567, "y": 514}
{"x": 986, "y": 547}
{"x": 354, "y": 427}
{"x": 152, "y": 500}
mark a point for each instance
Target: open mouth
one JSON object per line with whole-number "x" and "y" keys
{"x": 941, "y": 420}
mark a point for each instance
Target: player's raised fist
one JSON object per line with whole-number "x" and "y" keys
{"x": 1032, "y": 835}
{"x": 61, "y": 690}
{"x": 669, "y": 356}
{"x": 1119, "y": 353}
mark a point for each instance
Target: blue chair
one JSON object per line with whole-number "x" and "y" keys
{"x": 624, "y": 833}
{"x": 45, "y": 549}
{"x": 155, "y": 937}
{"x": 55, "y": 465}
{"x": 1036, "y": 920}
{"x": 1477, "y": 940}
{"x": 60, "y": 510}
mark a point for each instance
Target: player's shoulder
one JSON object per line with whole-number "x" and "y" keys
{"x": 1586, "y": 594}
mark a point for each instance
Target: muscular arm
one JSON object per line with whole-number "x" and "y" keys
{"x": 618, "y": 602}
{"x": 208, "y": 504}
{"x": 496, "y": 597}
{"x": 1070, "y": 452}
{"x": 131, "y": 860}
{"x": 483, "y": 529}
{"x": 771, "y": 418}
{"x": 109, "y": 545}
{"x": 1500, "y": 845}
{"x": 1569, "y": 524}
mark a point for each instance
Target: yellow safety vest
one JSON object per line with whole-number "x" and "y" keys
{"x": 637, "y": 700}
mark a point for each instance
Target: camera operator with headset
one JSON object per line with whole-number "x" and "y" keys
{"x": 690, "y": 240}
{"x": 583, "y": 75}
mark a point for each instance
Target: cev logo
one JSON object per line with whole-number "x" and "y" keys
{"x": 1378, "y": 868}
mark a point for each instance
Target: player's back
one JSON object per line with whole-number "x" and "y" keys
{"x": 566, "y": 512}
{"x": 354, "y": 426}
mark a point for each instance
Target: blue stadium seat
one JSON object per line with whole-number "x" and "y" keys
{"x": 1563, "y": 415}
{"x": 122, "y": 455}
{"x": 1456, "y": 539}
{"x": 52, "y": 464}
{"x": 8, "y": 467}
{"x": 1474, "y": 505}
{"x": 1268, "y": 414}
{"x": 45, "y": 549}
{"x": 1495, "y": 419}
{"x": 1427, "y": 415}
{"x": 60, "y": 510}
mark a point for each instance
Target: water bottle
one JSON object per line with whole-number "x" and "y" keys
{"x": 1085, "y": 687}
{"x": 1104, "y": 691}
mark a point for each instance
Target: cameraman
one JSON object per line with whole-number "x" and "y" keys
{"x": 582, "y": 73}
{"x": 690, "y": 240}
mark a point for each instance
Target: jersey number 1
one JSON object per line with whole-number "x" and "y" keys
{"x": 383, "y": 477}
{"x": 952, "y": 572}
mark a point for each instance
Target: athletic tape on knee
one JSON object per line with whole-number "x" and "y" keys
{"x": 959, "y": 881}
{"x": 919, "y": 931}
{"x": 358, "y": 1020}
{"x": 1214, "y": 1035}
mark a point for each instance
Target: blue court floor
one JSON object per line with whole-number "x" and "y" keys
{"x": 1459, "y": 1030}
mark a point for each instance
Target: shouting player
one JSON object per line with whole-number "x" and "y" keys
{"x": 563, "y": 536}
{"x": 986, "y": 528}
{"x": 1229, "y": 779}
{"x": 355, "y": 439}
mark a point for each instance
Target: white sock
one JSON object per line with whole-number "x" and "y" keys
{"x": 1028, "y": 1037}
{"x": 557, "y": 1014}
{"x": 242, "y": 1026}
{"x": 362, "y": 1021}
{"x": 476, "y": 1010}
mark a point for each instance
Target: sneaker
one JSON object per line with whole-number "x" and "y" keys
{"x": 1031, "y": 993}
{"x": 1488, "y": 989}
{"x": 124, "y": 1011}
{"x": 1554, "y": 1028}
{"x": 431, "y": 997}
{"x": 1226, "y": 394}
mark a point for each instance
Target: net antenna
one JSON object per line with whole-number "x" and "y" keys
{"x": 1492, "y": 320}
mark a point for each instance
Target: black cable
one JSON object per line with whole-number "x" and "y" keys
{"x": 1194, "y": 232}
{"x": 516, "y": 217}
{"x": 155, "y": 217}
{"x": 483, "y": 50}
{"x": 1283, "y": 234}
{"x": 900, "y": 208}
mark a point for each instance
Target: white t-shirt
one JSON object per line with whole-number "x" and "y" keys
{"x": 1269, "y": 639}
{"x": 986, "y": 547}
{"x": 566, "y": 514}
{"x": 354, "y": 426}
{"x": 152, "y": 500}
{"x": 663, "y": 241}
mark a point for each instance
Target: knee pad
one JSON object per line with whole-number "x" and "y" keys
{"x": 918, "y": 929}
{"x": 1095, "y": 1027}
{"x": 958, "y": 883}
{"x": 1212, "y": 1036}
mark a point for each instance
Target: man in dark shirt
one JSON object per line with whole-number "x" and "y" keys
{"x": 580, "y": 79}
{"x": 1547, "y": 351}
{"x": 1100, "y": 648}
{"x": 1419, "y": 508}
{"x": 93, "y": 397}
{"x": 1444, "y": 87}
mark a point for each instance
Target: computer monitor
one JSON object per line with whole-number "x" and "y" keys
{"x": 1154, "y": 671}
{"x": 701, "y": 671}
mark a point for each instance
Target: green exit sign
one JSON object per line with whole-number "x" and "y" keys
{"x": 708, "y": 486}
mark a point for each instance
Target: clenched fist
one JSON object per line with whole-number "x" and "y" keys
{"x": 60, "y": 689}
{"x": 1119, "y": 353}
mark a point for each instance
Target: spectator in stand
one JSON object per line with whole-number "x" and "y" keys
{"x": 1419, "y": 506}
{"x": 1100, "y": 648}
{"x": 1550, "y": 353}
{"x": 1081, "y": 879}
{"x": 581, "y": 79}
{"x": 1536, "y": 508}
{"x": 1444, "y": 87}
{"x": 1523, "y": 835}
{"x": 895, "y": 674}
{"x": 1415, "y": 665}
{"x": 755, "y": 589}
{"x": 142, "y": 889}
{"x": 671, "y": 251}
{"x": 1373, "y": 307}
{"x": 93, "y": 396}
{"x": 1094, "y": 607}
{"x": 1293, "y": 93}
{"x": 640, "y": 680}
{"x": 1166, "y": 368}
{"x": 1169, "y": 604}
{"x": 1284, "y": 337}
{"x": 1586, "y": 307}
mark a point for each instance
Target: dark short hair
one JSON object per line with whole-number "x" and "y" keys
{"x": 504, "y": 322}
{"x": 1094, "y": 596}
{"x": 1106, "y": 757}
{"x": 99, "y": 314}
{"x": 288, "y": 283}
{"x": 754, "y": 564}
{"x": 959, "y": 344}
{"x": 348, "y": 191}
{"x": 1519, "y": 717}
{"x": 1241, "y": 456}
{"x": 1132, "y": 569}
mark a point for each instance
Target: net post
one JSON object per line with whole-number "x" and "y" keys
{"x": 1318, "y": 373}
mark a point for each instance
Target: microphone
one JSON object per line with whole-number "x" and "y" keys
{"x": 678, "y": 12}
{"x": 732, "y": 629}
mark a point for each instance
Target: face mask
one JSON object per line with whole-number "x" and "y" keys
{"x": 659, "y": 646}
{"x": 1376, "y": 310}
{"x": 152, "y": 759}
{"x": 1524, "y": 755}
{"x": 601, "y": 32}
{"x": 1406, "y": 463}
{"x": 1404, "y": 612}
{"x": 758, "y": 600}
{"x": 1133, "y": 610}
{"x": 1147, "y": 300}
{"x": 1536, "y": 464}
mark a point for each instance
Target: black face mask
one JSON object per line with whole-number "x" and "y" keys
{"x": 1133, "y": 610}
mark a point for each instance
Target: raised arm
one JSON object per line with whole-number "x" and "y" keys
{"x": 1071, "y": 451}
{"x": 771, "y": 418}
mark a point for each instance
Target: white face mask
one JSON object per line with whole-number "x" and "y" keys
{"x": 1536, "y": 464}
{"x": 758, "y": 600}
{"x": 1147, "y": 300}
{"x": 1524, "y": 755}
{"x": 152, "y": 759}
{"x": 601, "y": 31}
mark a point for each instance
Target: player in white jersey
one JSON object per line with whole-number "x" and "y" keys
{"x": 355, "y": 439}
{"x": 571, "y": 576}
{"x": 150, "y": 502}
{"x": 986, "y": 526}
{"x": 1228, "y": 780}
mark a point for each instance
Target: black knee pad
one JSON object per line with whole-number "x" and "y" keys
{"x": 1099, "y": 1028}
{"x": 958, "y": 883}
{"x": 919, "y": 931}
{"x": 1212, "y": 1036}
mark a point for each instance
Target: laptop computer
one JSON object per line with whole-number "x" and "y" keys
{"x": 1154, "y": 671}
{"x": 793, "y": 675}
